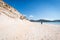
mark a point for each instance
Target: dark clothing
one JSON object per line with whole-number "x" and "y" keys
{"x": 41, "y": 22}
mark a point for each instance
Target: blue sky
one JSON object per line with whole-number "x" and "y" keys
{"x": 37, "y": 9}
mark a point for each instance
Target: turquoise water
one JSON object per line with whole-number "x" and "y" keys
{"x": 57, "y": 23}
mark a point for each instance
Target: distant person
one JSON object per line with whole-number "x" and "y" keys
{"x": 41, "y": 22}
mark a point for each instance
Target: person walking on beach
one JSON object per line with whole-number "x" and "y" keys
{"x": 41, "y": 22}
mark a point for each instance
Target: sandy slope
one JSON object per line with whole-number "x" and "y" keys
{"x": 17, "y": 29}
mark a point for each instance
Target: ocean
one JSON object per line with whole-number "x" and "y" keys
{"x": 56, "y": 23}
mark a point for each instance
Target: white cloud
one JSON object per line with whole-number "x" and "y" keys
{"x": 24, "y": 15}
{"x": 31, "y": 16}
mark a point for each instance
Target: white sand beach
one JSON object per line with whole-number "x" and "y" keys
{"x": 17, "y": 29}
